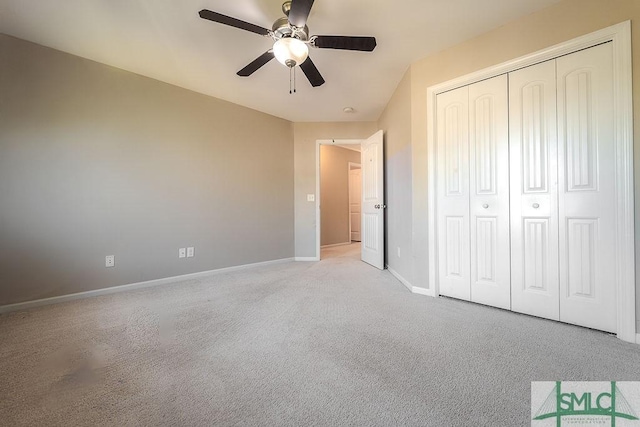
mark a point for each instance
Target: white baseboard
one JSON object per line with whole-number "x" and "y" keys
{"x": 132, "y": 286}
{"x": 405, "y": 282}
{"x": 423, "y": 291}
{"x": 335, "y": 244}
{"x": 307, "y": 258}
{"x": 401, "y": 279}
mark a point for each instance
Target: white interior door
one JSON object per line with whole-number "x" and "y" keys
{"x": 355, "y": 203}
{"x": 372, "y": 160}
{"x": 453, "y": 193}
{"x": 489, "y": 192}
{"x": 587, "y": 200}
{"x": 534, "y": 198}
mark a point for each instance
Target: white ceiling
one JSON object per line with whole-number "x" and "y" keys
{"x": 166, "y": 40}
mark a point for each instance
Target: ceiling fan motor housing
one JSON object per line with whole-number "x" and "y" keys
{"x": 281, "y": 28}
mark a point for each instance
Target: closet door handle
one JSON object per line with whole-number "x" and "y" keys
{"x": 535, "y": 205}
{"x": 485, "y": 206}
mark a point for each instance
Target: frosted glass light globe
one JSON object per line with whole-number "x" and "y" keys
{"x": 290, "y": 49}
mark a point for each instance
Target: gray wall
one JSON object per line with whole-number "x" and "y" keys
{"x": 334, "y": 193}
{"x": 396, "y": 123}
{"x": 97, "y": 161}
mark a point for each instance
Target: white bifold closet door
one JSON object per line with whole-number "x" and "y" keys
{"x": 534, "y": 190}
{"x": 587, "y": 193}
{"x": 563, "y": 189}
{"x": 453, "y": 193}
{"x": 473, "y": 202}
{"x": 526, "y": 190}
{"x": 489, "y": 192}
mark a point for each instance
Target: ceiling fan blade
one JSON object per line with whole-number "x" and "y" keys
{"x": 232, "y": 22}
{"x": 300, "y": 12}
{"x": 309, "y": 69}
{"x": 256, "y": 64}
{"x": 365, "y": 44}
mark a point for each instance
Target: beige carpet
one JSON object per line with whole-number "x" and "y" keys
{"x": 330, "y": 343}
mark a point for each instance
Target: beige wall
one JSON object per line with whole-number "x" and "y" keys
{"x": 396, "y": 123}
{"x": 97, "y": 161}
{"x": 305, "y": 136}
{"x": 564, "y": 21}
{"x": 334, "y": 193}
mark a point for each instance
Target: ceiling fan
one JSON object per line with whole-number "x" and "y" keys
{"x": 291, "y": 40}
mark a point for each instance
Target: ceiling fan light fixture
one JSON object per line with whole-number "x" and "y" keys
{"x": 290, "y": 51}
{"x": 291, "y": 37}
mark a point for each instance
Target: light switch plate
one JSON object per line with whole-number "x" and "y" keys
{"x": 311, "y": 197}
{"x": 182, "y": 253}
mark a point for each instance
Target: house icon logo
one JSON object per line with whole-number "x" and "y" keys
{"x": 584, "y": 404}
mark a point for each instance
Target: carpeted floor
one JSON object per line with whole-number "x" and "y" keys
{"x": 298, "y": 344}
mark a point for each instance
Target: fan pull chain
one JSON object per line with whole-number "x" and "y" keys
{"x": 292, "y": 80}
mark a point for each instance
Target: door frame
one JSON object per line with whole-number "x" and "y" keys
{"x": 353, "y": 166}
{"x": 320, "y": 142}
{"x": 620, "y": 37}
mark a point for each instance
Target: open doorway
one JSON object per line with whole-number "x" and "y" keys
{"x": 372, "y": 207}
{"x": 339, "y": 202}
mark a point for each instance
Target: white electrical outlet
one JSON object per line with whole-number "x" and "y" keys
{"x": 311, "y": 197}
{"x": 109, "y": 261}
{"x": 191, "y": 251}
{"x": 398, "y": 251}
{"x": 182, "y": 253}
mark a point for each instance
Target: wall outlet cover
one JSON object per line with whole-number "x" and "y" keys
{"x": 109, "y": 261}
{"x": 311, "y": 197}
{"x": 191, "y": 252}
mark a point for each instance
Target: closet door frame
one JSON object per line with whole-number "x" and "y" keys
{"x": 620, "y": 37}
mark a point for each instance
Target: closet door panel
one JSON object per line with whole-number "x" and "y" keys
{"x": 586, "y": 161}
{"x": 453, "y": 193}
{"x": 489, "y": 192}
{"x": 534, "y": 177}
